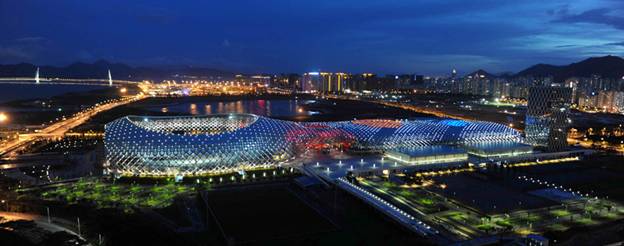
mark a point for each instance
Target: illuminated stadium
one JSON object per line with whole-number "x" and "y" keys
{"x": 196, "y": 145}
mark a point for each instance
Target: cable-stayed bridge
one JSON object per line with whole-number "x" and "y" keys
{"x": 109, "y": 81}
{"x": 67, "y": 81}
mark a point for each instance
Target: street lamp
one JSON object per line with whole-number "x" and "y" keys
{"x": 3, "y": 117}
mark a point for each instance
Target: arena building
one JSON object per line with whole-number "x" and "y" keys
{"x": 197, "y": 145}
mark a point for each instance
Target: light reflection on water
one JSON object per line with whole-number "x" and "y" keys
{"x": 275, "y": 108}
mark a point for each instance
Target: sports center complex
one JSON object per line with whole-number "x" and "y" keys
{"x": 218, "y": 143}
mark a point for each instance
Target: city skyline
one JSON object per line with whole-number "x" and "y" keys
{"x": 426, "y": 38}
{"x": 311, "y": 122}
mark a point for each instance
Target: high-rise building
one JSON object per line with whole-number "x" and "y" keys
{"x": 311, "y": 82}
{"x": 369, "y": 81}
{"x": 619, "y": 102}
{"x": 573, "y": 83}
{"x": 286, "y": 81}
{"x": 323, "y": 82}
{"x": 418, "y": 80}
{"x": 603, "y": 101}
{"x": 547, "y": 118}
{"x": 339, "y": 82}
{"x": 400, "y": 81}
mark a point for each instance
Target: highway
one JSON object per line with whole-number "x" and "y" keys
{"x": 59, "y": 128}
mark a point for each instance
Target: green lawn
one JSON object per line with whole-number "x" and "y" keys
{"x": 458, "y": 216}
{"x": 425, "y": 201}
{"x": 504, "y": 222}
{"x": 585, "y": 221}
{"x": 560, "y": 213}
{"x": 525, "y": 220}
{"x": 486, "y": 227}
{"x": 125, "y": 196}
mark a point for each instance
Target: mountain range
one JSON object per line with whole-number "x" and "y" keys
{"x": 606, "y": 67}
{"x": 481, "y": 72}
{"x": 99, "y": 69}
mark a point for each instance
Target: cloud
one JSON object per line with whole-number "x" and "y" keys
{"x": 615, "y": 44}
{"x": 154, "y": 15}
{"x": 85, "y": 55}
{"x": 343, "y": 35}
{"x": 566, "y": 46}
{"x": 226, "y": 43}
{"x": 25, "y": 49}
{"x": 152, "y": 18}
{"x": 13, "y": 53}
{"x": 603, "y": 16}
{"x": 560, "y": 11}
{"x": 30, "y": 39}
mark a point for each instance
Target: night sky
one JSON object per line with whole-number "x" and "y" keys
{"x": 430, "y": 37}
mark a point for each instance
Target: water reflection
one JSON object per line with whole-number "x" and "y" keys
{"x": 274, "y": 108}
{"x": 193, "y": 109}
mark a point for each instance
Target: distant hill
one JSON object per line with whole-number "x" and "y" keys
{"x": 606, "y": 67}
{"x": 480, "y": 73}
{"x": 540, "y": 70}
{"x": 99, "y": 69}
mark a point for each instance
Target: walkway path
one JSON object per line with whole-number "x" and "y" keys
{"x": 41, "y": 221}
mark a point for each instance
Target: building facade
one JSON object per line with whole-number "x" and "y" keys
{"x": 324, "y": 82}
{"x": 547, "y": 117}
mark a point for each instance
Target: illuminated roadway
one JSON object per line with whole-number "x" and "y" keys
{"x": 58, "y": 129}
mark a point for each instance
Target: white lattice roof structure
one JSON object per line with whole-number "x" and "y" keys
{"x": 193, "y": 145}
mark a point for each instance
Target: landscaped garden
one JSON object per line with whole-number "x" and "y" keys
{"x": 416, "y": 197}
{"x": 467, "y": 221}
{"x": 125, "y": 196}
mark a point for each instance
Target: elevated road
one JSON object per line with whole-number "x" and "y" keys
{"x": 385, "y": 207}
{"x": 59, "y": 128}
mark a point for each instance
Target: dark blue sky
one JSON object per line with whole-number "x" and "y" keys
{"x": 430, "y": 36}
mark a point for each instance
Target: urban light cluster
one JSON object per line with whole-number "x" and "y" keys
{"x": 201, "y": 88}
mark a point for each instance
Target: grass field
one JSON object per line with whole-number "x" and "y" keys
{"x": 467, "y": 193}
{"x": 125, "y": 196}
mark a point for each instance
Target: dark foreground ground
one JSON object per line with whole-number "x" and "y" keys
{"x": 285, "y": 215}
{"x": 257, "y": 214}
{"x": 269, "y": 213}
